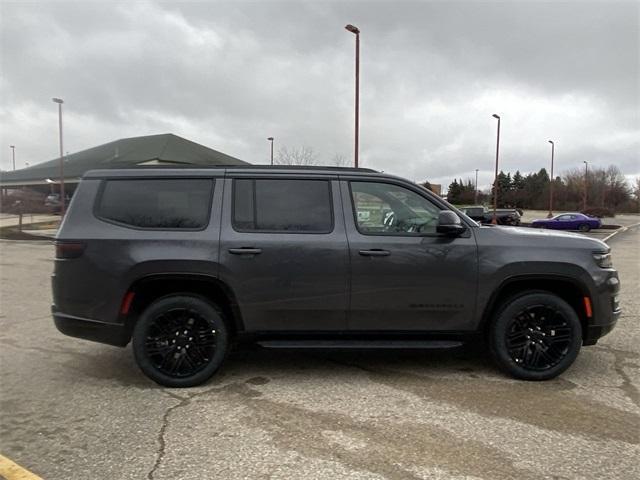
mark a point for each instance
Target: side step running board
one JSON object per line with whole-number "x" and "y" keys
{"x": 360, "y": 344}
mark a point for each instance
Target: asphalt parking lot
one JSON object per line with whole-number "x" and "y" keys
{"x": 71, "y": 409}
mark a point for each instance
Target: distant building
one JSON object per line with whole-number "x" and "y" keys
{"x": 434, "y": 187}
{"x": 135, "y": 152}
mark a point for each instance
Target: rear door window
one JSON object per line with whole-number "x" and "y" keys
{"x": 182, "y": 203}
{"x": 282, "y": 205}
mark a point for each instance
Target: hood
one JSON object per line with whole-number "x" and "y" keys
{"x": 535, "y": 237}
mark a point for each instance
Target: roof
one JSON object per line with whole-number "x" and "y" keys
{"x": 135, "y": 152}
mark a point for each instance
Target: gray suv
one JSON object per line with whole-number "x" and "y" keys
{"x": 186, "y": 262}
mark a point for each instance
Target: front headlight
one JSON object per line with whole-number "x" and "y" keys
{"x": 603, "y": 260}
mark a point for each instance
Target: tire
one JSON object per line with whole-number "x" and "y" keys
{"x": 535, "y": 336}
{"x": 584, "y": 227}
{"x": 180, "y": 340}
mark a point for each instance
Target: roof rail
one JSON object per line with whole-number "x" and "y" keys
{"x": 303, "y": 167}
{"x": 175, "y": 166}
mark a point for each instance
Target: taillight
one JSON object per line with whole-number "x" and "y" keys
{"x": 69, "y": 249}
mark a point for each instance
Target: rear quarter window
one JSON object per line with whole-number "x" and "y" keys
{"x": 165, "y": 204}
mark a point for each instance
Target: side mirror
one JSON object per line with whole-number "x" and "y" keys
{"x": 449, "y": 223}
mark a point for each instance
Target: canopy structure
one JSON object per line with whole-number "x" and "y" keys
{"x": 135, "y": 152}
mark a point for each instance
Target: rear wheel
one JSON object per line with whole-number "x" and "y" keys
{"x": 536, "y": 336}
{"x": 180, "y": 340}
{"x": 584, "y": 227}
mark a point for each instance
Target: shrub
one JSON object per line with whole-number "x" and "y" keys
{"x": 599, "y": 212}
{"x": 23, "y": 201}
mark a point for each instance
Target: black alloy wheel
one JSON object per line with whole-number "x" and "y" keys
{"x": 538, "y": 337}
{"x": 535, "y": 336}
{"x": 180, "y": 340}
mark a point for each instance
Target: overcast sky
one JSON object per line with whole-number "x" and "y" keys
{"x": 230, "y": 74}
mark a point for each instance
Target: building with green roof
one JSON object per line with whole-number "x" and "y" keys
{"x": 135, "y": 152}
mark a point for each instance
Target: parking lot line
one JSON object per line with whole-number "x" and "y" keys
{"x": 10, "y": 470}
{"x": 620, "y": 230}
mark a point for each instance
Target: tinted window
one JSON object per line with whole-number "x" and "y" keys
{"x": 474, "y": 212}
{"x": 388, "y": 209}
{"x": 282, "y": 205}
{"x": 159, "y": 203}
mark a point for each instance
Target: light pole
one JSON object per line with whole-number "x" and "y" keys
{"x": 271, "y": 140}
{"x": 495, "y": 180}
{"x": 13, "y": 155}
{"x": 553, "y": 149}
{"x": 475, "y": 199}
{"x": 59, "y": 101}
{"x": 586, "y": 176}
{"x": 356, "y": 32}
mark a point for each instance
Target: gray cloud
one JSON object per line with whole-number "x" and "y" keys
{"x": 229, "y": 74}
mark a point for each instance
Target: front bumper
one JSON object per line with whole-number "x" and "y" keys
{"x": 607, "y": 310}
{"x": 594, "y": 332}
{"x": 88, "y": 329}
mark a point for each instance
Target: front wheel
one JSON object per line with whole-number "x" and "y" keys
{"x": 180, "y": 340}
{"x": 536, "y": 336}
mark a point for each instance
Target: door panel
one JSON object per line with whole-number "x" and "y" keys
{"x": 285, "y": 281}
{"x": 419, "y": 280}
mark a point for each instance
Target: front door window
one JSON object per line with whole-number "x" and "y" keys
{"x": 388, "y": 209}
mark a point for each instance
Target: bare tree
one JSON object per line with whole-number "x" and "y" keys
{"x": 296, "y": 156}
{"x": 636, "y": 189}
{"x": 605, "y": 187}
{"x": 636, "y": 193}
{"x": 616, "y": 187}
{"x": 339, "y": 160}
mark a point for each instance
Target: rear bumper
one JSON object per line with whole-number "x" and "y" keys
{"x": 96, "y": 331}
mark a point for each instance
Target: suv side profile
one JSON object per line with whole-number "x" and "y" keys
{"x": 185, "y": 262}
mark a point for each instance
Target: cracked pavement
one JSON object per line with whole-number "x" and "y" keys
{"x": 71, "y": 409}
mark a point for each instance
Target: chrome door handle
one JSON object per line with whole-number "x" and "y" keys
{"x": 245, "y": 251}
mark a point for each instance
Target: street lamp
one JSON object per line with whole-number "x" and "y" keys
{"x": 13, "y": 155}
{"x": 476, "y": 195}
{"x": 59, "y": 101}
{"x": 271, "y": 140}
{"x": 553, "y": 149}
{"x": 495, "y": 180}
{"x": 586, "y": 176}
{"x": 356, "y": 32}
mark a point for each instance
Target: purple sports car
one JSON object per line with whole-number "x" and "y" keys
{"x": 568, "y": 221}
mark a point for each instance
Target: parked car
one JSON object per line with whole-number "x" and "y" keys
{"x": 569, "y": 221}
{"x": 184, "y": 263}
{"x": 504, "y": 216}
{"x": 52, "y": 202}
